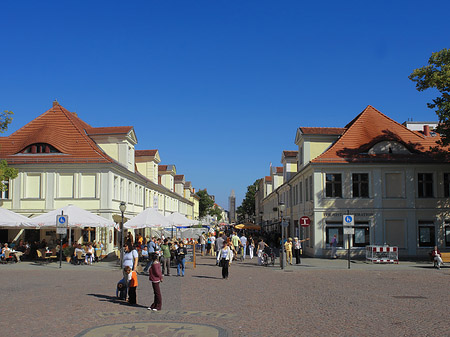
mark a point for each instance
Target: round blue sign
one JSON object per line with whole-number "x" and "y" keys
{"x": 348, "y": 219}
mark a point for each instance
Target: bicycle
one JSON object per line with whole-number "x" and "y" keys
{"x": 268, "y": 257}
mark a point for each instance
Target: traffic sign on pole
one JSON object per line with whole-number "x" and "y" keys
{"x": 305, "y": 221}
{"x": 349, "y": 220}
{"x": 61, "y": 224}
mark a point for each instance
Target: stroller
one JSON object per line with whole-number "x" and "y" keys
{"x": 121, "y": 291}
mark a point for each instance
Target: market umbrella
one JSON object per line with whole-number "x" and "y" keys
{"x": 178, "y": 219}
{"x": 150, "y": 217}
{"x": 248, "y": 226}
{"x": 78, "y": 217}
{"x": 13, "y": 220}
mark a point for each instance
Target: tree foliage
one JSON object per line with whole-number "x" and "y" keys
{"x": 437, "y": 75}
{"x": 205, "y": 203}
{"x": 216, "y": 211}
{"x": 6, "y": 172}
{"x": 248, "y": 204}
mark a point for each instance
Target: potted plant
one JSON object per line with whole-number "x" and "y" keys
{"x": 68, "y": 253}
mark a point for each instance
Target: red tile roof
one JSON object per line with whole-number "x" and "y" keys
{"x": 322, "y": 131}
{"x": 179, "y": 177}
{"x": 369, "y": 128}
{"x": 61, "y": 129}
{"x": 290, "y": 153}
{"x": 268, "y": 179}
{"x": 162, "y": 168}
{"x": 142, "y": 153}
{"x": 110, "y": 130}
{"x": 279, "y": 169}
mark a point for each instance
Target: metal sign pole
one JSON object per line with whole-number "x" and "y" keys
{"x": 60, "y": 246}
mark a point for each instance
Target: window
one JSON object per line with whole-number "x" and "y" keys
{"x": 39, "y": 148}
{"x": 361, "y": 238}
{"x": 116, "y": 188}
{"x": 360, "y": 185}
{"x": 333, "y": 185}
{"x": 334, "y": 228}
{"x": 311, "y": 191}
{"x": 307, "y": 189}
{"x": 425, "y": 185}
{"x": 426, "y": 234}
{"x": 5, "y": 194}
{"x": 301, "y": 192}
{"x": 447, "y": 234}
{"x": 446, "y": 185}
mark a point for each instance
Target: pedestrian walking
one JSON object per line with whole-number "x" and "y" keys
{"x": 152, "y": 248}
{"x": 226, "y": 256}
{"x": 251, "y": 247}
{"x": 334, "y": 242}
{"x": 132, "y": 285}
{"x": 244, "y": 245}
{"x": 219, "y": 245}
{"x": 298, "y": 249}
{"x": 288, "y": 248}
{"x": 213, "y": 242}
{"x": 181, "y": 254}
{"x": 165, "y": 259}
{"x": 156, "y": 277}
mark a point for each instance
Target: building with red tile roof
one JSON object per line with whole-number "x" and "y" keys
{"x": 394, "y": 181}
{"x": 63, "y": 160}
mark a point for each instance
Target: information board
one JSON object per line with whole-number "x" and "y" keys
{"x": 190, "y": 256}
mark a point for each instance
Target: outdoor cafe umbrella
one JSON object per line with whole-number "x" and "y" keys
{"x": 78, "y": 217}
{"x": 178, "y": 219}
{"x": 248, "y": 226}
{"x": 150, "y": 217}
{"x": 13, "y": 220}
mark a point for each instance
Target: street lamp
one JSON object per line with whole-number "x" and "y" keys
{"x": 282, "y": 208}
{"x": 122, "y": 208}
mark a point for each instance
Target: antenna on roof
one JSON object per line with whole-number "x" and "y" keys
{"x": 55, "y": 102}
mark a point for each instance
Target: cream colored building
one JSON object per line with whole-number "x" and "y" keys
{"x": 62, "y": 160}
{"x": 375, "y": 169}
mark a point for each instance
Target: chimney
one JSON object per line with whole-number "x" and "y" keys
{"x": 55, "y": 102}
{"x": 426, "y": 130}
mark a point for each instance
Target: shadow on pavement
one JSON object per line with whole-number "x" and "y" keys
{"x": 113, "y": 299}
{"x": 203, "y": 276}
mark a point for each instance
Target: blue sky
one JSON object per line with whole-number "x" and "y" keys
{"x": 219, "y": 87}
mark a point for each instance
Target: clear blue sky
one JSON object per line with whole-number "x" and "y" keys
{"x": 219, "y": 87}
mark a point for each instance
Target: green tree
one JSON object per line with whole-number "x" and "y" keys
{"x": 6, "y": 172}
{"x": 437, "y": 75}
{"x": 216, "y": 211}
{"x": 248, "y": 204}
{"x": 205, "y": 203}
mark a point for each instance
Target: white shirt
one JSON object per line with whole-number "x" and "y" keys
{"x": 243, "y": 240}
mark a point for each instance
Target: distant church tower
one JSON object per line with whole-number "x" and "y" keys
{"x": 232, "y": 206}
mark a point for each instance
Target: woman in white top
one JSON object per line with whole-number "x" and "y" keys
{"x": 226, "y": 255}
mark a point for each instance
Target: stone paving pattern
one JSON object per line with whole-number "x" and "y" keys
{"x": 319, "y": 297}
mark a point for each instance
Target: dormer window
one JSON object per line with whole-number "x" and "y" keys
{"x": 389, "y": 147}
{"x": 39, "y": 148}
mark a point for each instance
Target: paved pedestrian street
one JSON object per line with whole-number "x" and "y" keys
{"x": 318, "y": 298}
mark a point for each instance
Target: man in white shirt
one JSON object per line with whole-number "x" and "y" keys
{"x": 244, "y": 244}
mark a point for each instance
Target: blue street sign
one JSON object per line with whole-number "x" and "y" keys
{"x": 349, "y": 220}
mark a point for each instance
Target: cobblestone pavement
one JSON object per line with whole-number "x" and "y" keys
{"x": 318, "y": 297}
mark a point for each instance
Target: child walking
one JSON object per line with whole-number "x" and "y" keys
{"x": 132, "y": 285}
{"x": 156, "y": 277}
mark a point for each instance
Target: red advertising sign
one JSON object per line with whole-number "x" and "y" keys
{"x": 305, "y": 221}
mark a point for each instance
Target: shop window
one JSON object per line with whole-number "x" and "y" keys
{"x": 88, "y": 234}
{"x": 425, "y": 185}
{"x": 361, "y": 238}
{"x": 332, "y": 229}
{"x": 333, "y": 185}
{"x": 426, "y": 234}
{"x": 360, "y": 185}
{"x": 447, "y": 234}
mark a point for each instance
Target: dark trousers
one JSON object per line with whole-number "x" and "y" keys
{"x": 157, "y": 302}
{"x": 297, "y": 256}
{"x": 225, "y": 264}
{"x": 132, "y": 295}
{"x": 165, "y": 265}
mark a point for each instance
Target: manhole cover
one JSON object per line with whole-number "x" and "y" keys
{"x": 167, "y": 329}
